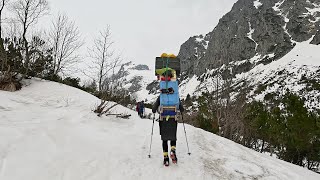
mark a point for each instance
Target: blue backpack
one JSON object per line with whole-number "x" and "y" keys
{"x": 169, "y": 99}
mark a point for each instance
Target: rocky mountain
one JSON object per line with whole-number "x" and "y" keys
{"x": 192, "y": 51}
{"x": 268, "y": 28}
{"x": 272, "y": 44}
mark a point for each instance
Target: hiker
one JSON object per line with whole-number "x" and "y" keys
{"x": 138, "y": 108}
{"x": 167, "y": 68}
{"x": 168, "y": 131}
{"x": 141, "y": 109}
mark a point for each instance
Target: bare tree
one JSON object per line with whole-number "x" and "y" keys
{"x": 104, "y": 108}
{"x": 65, "y": 39}
{"x": 28, "y": 13}
{"x": 3, "y": 57}
{"x": 3, "y": 3}
{"x": 11, "y": 29}
{"x": 104, "y": 59}
{"x": 104, "y": 62}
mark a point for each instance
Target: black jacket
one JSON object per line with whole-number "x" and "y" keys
{"x": 157, "y": 104}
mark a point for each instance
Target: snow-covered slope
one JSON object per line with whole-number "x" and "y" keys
{"x": 48, "y": 131}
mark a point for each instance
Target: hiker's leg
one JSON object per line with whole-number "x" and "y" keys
{"x": 165, "y": 148}
{"x": 173, "y": 145}
{"x": 173, "y": 152}
{"x": 165, "y": 153}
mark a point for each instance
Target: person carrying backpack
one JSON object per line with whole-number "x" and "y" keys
{"x": 138, "y": 108}
{"x": 141, "y": 109}
{"x": 168, "y": 131}
{"x": 168, "y": 102}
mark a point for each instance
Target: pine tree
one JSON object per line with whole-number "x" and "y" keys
{"x": 300, "y": 130}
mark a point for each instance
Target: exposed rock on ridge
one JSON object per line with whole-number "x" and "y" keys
{"x": 268, "y": 31}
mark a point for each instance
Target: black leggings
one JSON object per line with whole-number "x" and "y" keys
{"x": 165, "y": 145}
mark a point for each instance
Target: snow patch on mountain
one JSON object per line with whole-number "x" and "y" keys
{"x": 203, "y": 40}
{"x": 277, "y": 6}
{"x": 251, "y": 31}
{"x": 257, "y": 4}
{"x": 189, "y": 87}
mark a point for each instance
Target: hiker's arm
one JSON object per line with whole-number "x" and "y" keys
{"x": 156, "y": 105}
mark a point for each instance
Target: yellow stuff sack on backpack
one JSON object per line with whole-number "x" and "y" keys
{"x": 165, "y": 55}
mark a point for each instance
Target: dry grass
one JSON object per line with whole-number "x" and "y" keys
{"x": 8, "y": 83}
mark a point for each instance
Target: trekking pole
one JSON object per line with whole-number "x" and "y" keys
{"x": 185, "y": 134}
{"x": 151, "y": 136}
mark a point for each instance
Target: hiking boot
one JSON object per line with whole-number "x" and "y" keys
{"x": 173, "y": 156}
{"x": 166, "y": 161}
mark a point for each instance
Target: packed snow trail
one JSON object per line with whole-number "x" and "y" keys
{"x": 48, "y": 131}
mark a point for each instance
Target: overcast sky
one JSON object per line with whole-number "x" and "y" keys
{"x": 143, "y": 29}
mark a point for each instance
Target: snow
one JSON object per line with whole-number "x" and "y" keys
{"x": 303, "y": 59}
{"x": 189, "y": 87}
{"x": 249, "y": 35}
{"x": 238, "y": 63}
{"x": 255, "y": 58}
{"x": 202, "y": 40}
{"x": 257, "y": 4}
{"x": 303, "y": 54}
{"x": 48, "y": 131}
{"x": 316, "y": 20}
{"x": 198, "y": 39}
{"x": 206, "y": 44}
{"x": 314, "y": 10}
{"x": 196, "y": 52}
{"x": 271, "y": 55}
{"x": 276, "y": 7}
